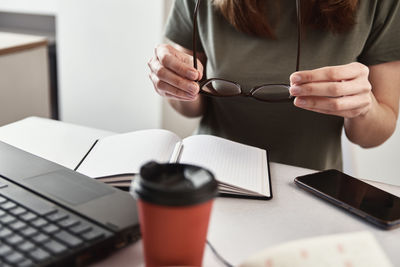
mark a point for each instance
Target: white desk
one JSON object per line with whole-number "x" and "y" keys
{"x": 238, "y": 227}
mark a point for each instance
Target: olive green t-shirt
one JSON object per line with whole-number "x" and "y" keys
{"x": 291, "y": 135}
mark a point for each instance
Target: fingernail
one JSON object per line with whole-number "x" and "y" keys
{"x": 295, "y": 90}
{"x": 295, "y": 78}
{"x": 300, "y": 102}
{"x": 191, "y": 74}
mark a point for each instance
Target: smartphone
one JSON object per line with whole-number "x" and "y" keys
{"x": 373, "y": 204}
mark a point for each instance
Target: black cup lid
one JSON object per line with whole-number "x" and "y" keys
{"x": 174, "y": 184}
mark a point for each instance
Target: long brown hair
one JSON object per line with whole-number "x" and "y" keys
{"x": 250, "y": 16}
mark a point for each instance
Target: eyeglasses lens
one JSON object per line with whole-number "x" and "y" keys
{"x": 221, "y": 87}
{"x": 272, "y": 92}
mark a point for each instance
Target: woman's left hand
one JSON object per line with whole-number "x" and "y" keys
{"x": 342, "y": 90}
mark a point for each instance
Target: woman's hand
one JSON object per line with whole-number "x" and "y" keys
{"x": 339, "y": 90}
{"x": 172, "y": 73}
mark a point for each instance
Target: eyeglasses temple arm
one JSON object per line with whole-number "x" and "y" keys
{"x": 299, "y": 22}
{"x": 194, "y": 45}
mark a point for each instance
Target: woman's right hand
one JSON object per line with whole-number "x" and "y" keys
{"x": 173, "y": 74}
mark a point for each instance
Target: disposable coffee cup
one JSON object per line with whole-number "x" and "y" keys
{"x": 174, "y": 204}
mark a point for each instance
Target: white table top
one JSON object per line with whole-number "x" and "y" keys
{"x": 241, "y": 227}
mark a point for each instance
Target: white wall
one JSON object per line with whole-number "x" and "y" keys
{"x": 44, "y": 7}
{"x": 380, "y": 164}
{"x": 104, "y": 46}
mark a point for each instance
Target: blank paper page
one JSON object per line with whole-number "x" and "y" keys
{"x": 231, "y": 162}
{"x": 60, "y": 142}
{"x": 126, "y": 153}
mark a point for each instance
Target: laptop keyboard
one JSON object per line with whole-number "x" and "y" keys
{"x": 31, "y": 237}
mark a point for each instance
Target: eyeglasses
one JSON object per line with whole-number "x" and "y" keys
{"x": 217, "y": 87}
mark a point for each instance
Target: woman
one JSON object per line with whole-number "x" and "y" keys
{"x": 349, "y": 73}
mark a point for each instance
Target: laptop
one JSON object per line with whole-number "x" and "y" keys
{"x": 53, "y": 216}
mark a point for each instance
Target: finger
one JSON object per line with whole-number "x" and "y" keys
{"x": 166, "y": 75}
{"x": 165, "y": 89}
{"x": 187, "y": 58}
{"x": 181, "y": 99}
{"x": 178, "y": 64}
{"x": 332, "y": 104}
{"x": 333, "y": 73}
{"x": 151, "y": 63}
{"x": 331, "y": 89}
{"x": 200, "y": 69}
{"x": 182, "y": 56}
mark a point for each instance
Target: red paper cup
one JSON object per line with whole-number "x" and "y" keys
{"x": 174, "y": 203}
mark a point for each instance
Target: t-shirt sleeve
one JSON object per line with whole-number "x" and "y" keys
{"x": 179, "y": 26}
{"x": 383, "y": 43}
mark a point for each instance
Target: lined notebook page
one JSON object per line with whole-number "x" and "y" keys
{"x": 125, "y": 153}
{"x": 232, "y": 163}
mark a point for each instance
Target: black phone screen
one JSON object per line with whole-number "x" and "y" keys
{"x": 353, "y": 193}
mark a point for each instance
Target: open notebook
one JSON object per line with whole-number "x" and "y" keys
{"x": 241, "y": 170}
